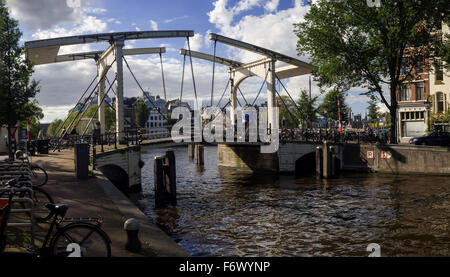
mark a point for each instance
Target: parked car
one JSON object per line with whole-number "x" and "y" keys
{"x": 433, "y": 139}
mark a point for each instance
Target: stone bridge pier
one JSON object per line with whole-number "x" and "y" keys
{"x": 298, "y": 158}
{"x": 122, "y": 167}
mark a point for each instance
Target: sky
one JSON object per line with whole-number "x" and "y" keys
{"x": 266, "y": 23}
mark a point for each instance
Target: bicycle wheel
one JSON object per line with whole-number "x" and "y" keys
{"x": 40, "y": 198}
{"x": 39, "y": 176}
{"x": 81, "y": 239}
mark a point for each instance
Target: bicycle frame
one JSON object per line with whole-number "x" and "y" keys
{"x": 56, "y": 224}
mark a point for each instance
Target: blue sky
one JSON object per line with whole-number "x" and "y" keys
{"x": 267, "y": 23}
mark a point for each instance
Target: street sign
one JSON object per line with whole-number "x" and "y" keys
{"x": 381, "y": 121}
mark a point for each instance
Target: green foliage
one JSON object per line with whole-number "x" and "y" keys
{"x": 287, "y": 111}
{"x": 36, "y": 112}
{"x": 354, "y": 45}
{"x": 303, "y": 111}
{"x": 16, "y": 88}
{"x": 373, "y": 109}
{"x": 440, "y": 118}
{"x": 142, "y": 113}
{"x": 329, "y": 106}
{"x": 54, "y": 127}
{"x": 307, "y": 108}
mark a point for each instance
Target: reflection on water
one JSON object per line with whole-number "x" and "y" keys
{"x": 224, "y": 212}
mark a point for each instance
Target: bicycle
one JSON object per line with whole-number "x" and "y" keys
{"x": 39, "y": 196}
{"x": 73, "y": 237}
{"x": 38, "y": 175}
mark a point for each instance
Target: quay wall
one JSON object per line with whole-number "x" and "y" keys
{"x": 396, "y": 159}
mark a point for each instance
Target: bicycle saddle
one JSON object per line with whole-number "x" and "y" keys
{"x": 58, "y": 208}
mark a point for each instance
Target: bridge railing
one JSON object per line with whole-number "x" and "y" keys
{"x": 130, "y": 137}
{"x": 319, "y": 135}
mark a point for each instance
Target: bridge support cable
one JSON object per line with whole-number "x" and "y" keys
{"x": 96, "y": 110}
{"x": 84, "y": 108}
{"x": 228, "y": 103}
{"x": 214, "y": 72}
{"x": 80, "y": 115}
{"x": 143, "y": 91}
{"x": 162, "y": 74}
{"x": 262, "y": 85}
{"x": 223, "y": 94}
{"x": 78, "y": 103}
{"x": 182, "y": 78}
{"x": 295, "y": 104}
{"x": 192, "y": 71}
{"x": 242, "y": 96}
{"x": 110, "y": 105}
{"x": 294, "y": 118}
{"x": 239, "y": 102}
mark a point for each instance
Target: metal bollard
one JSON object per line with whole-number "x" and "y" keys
{"x": 133, "y": 244}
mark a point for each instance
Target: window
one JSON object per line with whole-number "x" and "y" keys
{"x": 440, "y": 102}
{"x": 405, "y": 66}
{"x": 419, "y": 65}
{"x": 405, "y": 93}
{"x": 420, "y": 91}
{"x": 439, "y": 73}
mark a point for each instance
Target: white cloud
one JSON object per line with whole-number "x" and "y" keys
{"x": 31, "y": 13}
{"x": 95, "y": 10}
{"x": 154, "y": 25}
{"x": 116, "y": 21}
{"x": 54, "y": 112}
{"x": 272, "y": 5}
{"x": 273, "y": 30}
{"x": 196, "y": 42}
{"x": 170, "y": 20}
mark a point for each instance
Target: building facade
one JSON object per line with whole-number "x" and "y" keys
{"x": 157, "y": 122}
{"x": 412, "y": 99}
{"x": 440, "y": 86}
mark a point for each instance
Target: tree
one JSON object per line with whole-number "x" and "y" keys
{"x": 16, "y": 88}
{"x": 354, "y": 45}
{"x": 54, "y": 127}
{"x": 110, "y": 116}
{"x": 330, "y": 106}
{"x": 287, "y": 111}
{"x": 36, "y": 111}
{"x": 307, "y": 110}
{"x": 142, "y": 113}
{"x": 373, "y": 109}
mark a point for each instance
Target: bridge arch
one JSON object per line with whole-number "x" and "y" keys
{"x": 122, "y": 167}
{"x": 306, "y": 164}
{"x": 117, "y": 175}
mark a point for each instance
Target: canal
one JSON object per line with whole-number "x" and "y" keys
{"x": 222, "y": 212}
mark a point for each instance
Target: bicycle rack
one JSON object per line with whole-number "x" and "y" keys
{"x": 28, "y": 210}
{"x": 22, "y": 195}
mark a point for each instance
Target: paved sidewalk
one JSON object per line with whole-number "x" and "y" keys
{"x": 98, "y": 197}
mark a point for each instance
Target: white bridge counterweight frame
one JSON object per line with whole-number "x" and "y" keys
{"x": 210, "y": 58}
{"x": 46, "y": 51}
{"x": 265, "y": 68}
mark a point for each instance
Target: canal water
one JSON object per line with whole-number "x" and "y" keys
{"x": 222, "y": 212}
